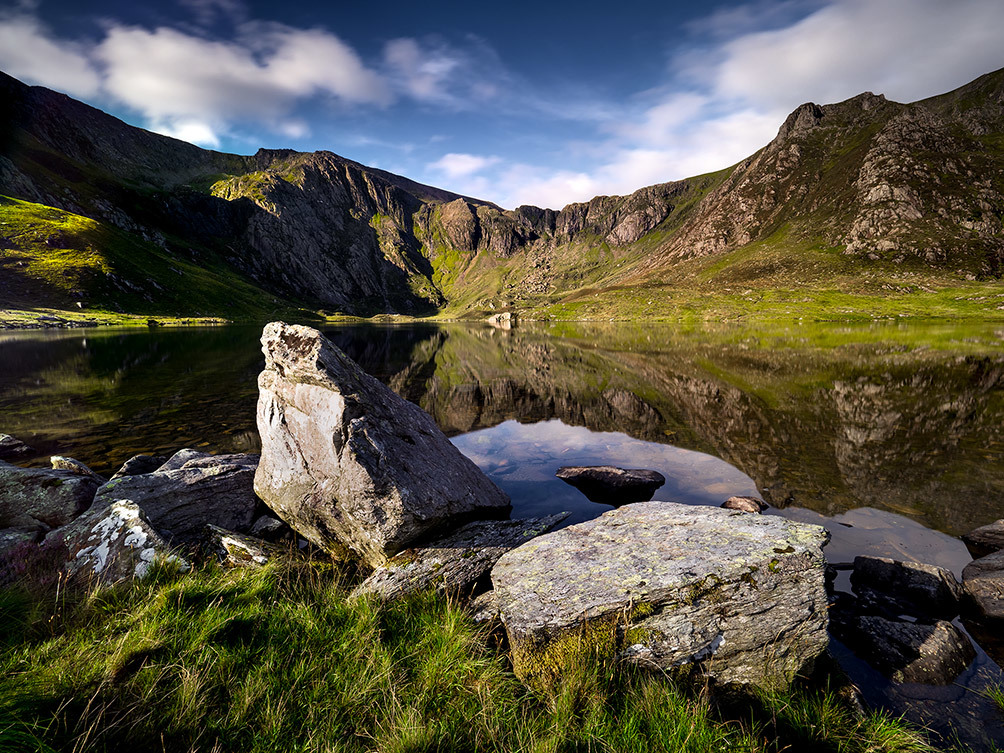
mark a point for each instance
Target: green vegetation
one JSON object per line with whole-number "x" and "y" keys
{"x": 87, "y": 271}
{"x": 277, "y": 659}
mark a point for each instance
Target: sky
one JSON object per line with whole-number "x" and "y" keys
{"x": 542, "y": 103}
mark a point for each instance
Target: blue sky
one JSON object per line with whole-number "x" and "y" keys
{"x": 519, "y": 103}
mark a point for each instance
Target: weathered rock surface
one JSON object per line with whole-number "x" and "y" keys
{"x": 34, "y": 497}
{"x": 215, "y": 489}
{"x": 906, "y": 587}
{"x": 139, "y": 464}
{"x": 181, "y": 457}
{"x": 484, "y": 608}
{"x": 348, "y": 463}
{"x": 745, "y": 504}
{"x": 13, "y": 537}
{"x": 668, "y": 585}
{"x": 456, "y": 561}
{"x": 115, "y": 543}
{"x": 62, "y": 463}
{"x": 239, "y": 550}
{"x": 11, "y": 447}
{"x": 611, "y": 485}
{"x": 983, "y": 582}
{"x": 985, "y": 540}
{"x": 272, "y": 529}
{"x": 933, "y": 653}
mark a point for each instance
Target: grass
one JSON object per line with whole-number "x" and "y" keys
{"x": 278, "y": 659}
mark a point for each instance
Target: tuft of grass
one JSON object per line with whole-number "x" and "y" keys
{"x": 278, "y": 659}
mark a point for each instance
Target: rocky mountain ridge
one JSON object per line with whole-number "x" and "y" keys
{"x": 881, "y": 182}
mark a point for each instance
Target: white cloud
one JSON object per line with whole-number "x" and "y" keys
{"x": 455, "y": 165}
{"x": 192, "y": 131}
{"x": 28, "y": 51}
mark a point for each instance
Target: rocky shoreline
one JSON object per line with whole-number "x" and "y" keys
{"x": 350, "y": 470}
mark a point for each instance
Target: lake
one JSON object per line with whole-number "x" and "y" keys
{"x": 891, "y": 435}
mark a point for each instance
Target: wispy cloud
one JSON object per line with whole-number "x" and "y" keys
{"x": 28, "y": 50}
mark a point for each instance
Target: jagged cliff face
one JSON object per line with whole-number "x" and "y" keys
{"x": 871, "y": 179}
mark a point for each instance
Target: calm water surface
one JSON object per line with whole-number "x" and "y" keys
{"x": 892, "y": 436}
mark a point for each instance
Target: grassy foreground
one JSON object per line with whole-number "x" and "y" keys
{"x": 279, "y": 660}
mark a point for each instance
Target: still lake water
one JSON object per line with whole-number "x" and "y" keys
{"x": 890, "y": 435}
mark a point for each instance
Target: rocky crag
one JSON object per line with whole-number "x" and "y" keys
{"x": 844, "y": 189}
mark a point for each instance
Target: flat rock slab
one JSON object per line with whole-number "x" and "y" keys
{"x": 11, "y": 447}
{"x": 983, "y": 583}
{"x": 931, "y": 653}
{"x": 38, "y": 497}
{"x": 349, "y": 464}
{"x": 911, "y": 588}
{"x": 115, "y": 543}
{"x": 202, "y": 489}
{"x": 985, "y": 540}
{"x": 611, "y": 485}
{"x": 667, "y": 585}
{"x": 455, "y": 562}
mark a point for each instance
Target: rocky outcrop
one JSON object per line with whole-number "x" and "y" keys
{"x": 906, "y": 587}
{"x": 36, "y": 497}
{"x": 114, "y": 543}
{"x": 196, "y": 489}
{"x": 349, "y": 464}
{"x": 669, "y": 586}
{"x": 983, "y": 582}
{"x": 611, "y": 485}
{"x": 985, "y": 540}
{"x": 454, "y": 563}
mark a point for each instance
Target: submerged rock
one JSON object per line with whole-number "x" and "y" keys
{"x": 38, "y": 497}
{"x": 139, "y": 464}
{"x": 985, "y": 540}
{"x": 906, "y": 587}
{"x": 349, "y": 464}
{"x": 932, "y": 653}
{"x": 611, "y": 485}
{"x": 115, "y": 543}
{"x": 180, "y": 501}
{"x": 11, "y": 447}
{"x": 455, "y": 562}
{"x": 745, "y": 504}
{"x": 668, "y": 585}
{"x": 983, "y": 582}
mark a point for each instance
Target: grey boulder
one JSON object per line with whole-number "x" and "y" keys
{"x": 115, "y": 543}
{"x": 349, "y": 464}
{"x": 983, "y": 583}
{"x": 456, "y": 562}
{"x": 669, "y": 586}
{"x": 985, "y": 540}
{"x": 906, "y": 587}
{"x": 612, "y": 485}
{"x": 139, "y": 464}
{"x": 180, "y": 501}
{"x": 42, "y": 498}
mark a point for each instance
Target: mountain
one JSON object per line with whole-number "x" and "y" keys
{"x": 864, "y": 198}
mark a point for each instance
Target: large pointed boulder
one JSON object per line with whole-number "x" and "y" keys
{"x": 348, "y": 463}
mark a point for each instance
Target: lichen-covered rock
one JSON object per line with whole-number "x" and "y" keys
{"x": 983, "y": 583}
{"x": 348, "y": 463}
{"x": 139, "y": 464}
{"x": 14, "y": 537}
{"x": 484, "y": 608}
{"x": 985, "y": 540}
{"x": 11, "y": 447}
{"x": 668, "y": 585}
{"x": 611, "y": 485}
{"x": 906, "y": 587}
{"x": 115, "y": 543}
{"x": 239, "y": 550}
{"x": 63, "y": 463}
{"x": 455, "y": 562}
{"x": 216, "y": 489}
{"x": 932, "y": 653}
{"x": 38, "y": 497}
{"x": 745, "y": 504}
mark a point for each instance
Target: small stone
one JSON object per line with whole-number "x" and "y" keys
{"x": 62, "y": 463}
{"x": 610, "y": 485}
{"x": 985, "y": 540}
{"x": 745, "y": 504}
{"x": 239, "y": 550}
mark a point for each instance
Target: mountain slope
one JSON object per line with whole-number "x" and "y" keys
{"x": 862, "y": 198}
